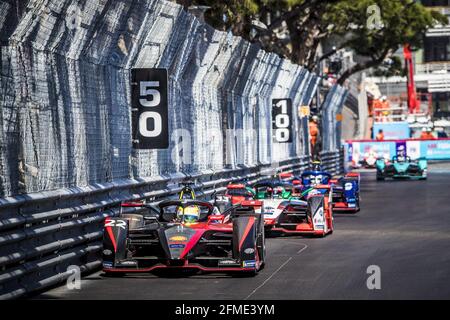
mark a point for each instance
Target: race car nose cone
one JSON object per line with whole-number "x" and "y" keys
{"x": 178, "y": 240}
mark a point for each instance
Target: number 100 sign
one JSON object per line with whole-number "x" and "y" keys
{"x": 282, "y": 120}
{"x": 149, "y": 109}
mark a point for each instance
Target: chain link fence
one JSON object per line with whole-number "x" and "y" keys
{"x": 332, "y": 118}
{"x": 65, "y": 90}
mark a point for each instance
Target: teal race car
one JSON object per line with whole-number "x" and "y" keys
{"x": 401, "y": 168}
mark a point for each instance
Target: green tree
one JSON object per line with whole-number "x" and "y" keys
{"x": 373, "y": 29}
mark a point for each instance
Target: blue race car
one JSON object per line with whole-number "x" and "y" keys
{"x": 401, "y": 167}
{"x": 345, "y": 190}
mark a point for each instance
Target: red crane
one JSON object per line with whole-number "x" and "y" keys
{"x": 413, "y": 103}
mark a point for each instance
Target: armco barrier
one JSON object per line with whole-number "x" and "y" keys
{"x": 42, "y": 234}
{"x": 333, "y": 162}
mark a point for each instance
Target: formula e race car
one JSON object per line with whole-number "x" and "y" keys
{"x": 272, "y": 192}
{"x": 238, "y": 192}
{"x": 284, "y": 213}
{"x": 345, "y": 189}
{"x": 296, "y": 217}
{"x": 184, "y": 235}
{"x": 369, "y": 159}
{"x": 401, "y": 167}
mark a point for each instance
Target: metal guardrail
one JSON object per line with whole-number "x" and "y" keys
{"x": 333, "y": 162}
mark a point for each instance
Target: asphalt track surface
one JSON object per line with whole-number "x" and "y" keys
{"x": 403, "y": 227}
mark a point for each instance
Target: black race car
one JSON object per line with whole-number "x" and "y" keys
{"x": 185, "y": 234}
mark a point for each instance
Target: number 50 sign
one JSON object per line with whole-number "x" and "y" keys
{"x": 282, "y": 120}
{"x": 149, "y": 109}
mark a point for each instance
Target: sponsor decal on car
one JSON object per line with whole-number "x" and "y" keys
{"x": 248, "y": 263}
{"x": 348, "y": 186}
{"x": 107, "y": 252}
{"x": 229, "y": 261}
{"x": 107, "y": 264}
{"x": 178, "y": 238}
{"x": 249, "y": 250}
{"x": 115, "y": 223}
{"x": 351, "y": 205}
{"x": 177, "y": 246}
{"x": 319, "y": 219}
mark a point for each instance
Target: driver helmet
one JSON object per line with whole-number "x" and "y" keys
{"x": 316, "y": 166}
{"x": 191, "y": 214}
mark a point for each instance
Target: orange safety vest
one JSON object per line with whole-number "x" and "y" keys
{"x": 313, "y": 132}
{"x": 426, "y": 136}
{"x": 380, "y": 136}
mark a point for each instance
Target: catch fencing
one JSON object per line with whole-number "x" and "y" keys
{"x": 332, "y": 118}
{"x": 66, "y": 95}
{"x": 66, "y": 159}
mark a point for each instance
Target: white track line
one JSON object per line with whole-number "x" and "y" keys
{"x": 274, "y": 273}
{"x": 300, "y": 251}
